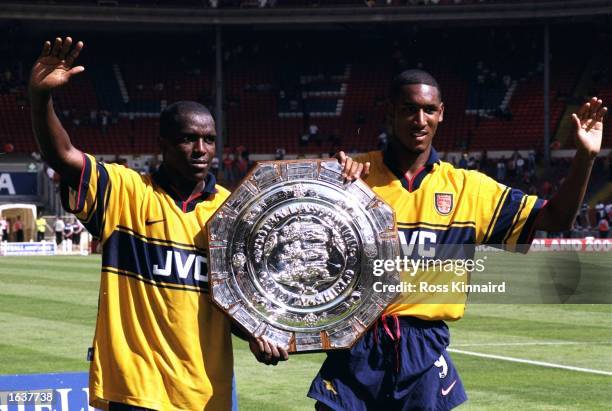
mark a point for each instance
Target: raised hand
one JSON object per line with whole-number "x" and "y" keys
{"x": 55, "y": 65}
{"x": 588, "y": 123}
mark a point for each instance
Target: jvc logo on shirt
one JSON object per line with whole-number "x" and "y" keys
{"x": 424, "y": 240}
{"x": 176, "y": 265}
{"x": 165, "y": 264}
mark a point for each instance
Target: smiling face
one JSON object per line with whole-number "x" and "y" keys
{"x": 189, "y": 147}
{"x": 414, "y": 114}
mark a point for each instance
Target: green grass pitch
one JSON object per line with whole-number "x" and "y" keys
{"x": 48, "y": 310}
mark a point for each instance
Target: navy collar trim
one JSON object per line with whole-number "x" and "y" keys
{"x": 160, "y": 177}
{"x": 389, "y": 160}
{"x": 415, "y": 182}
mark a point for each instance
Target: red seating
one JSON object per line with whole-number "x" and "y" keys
{"x": 251, "y": 118}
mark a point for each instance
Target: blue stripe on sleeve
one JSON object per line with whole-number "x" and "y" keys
{"x": 525, "y": 236}
{"x": 95, "y": 222}
{"x": 506, "y": 216}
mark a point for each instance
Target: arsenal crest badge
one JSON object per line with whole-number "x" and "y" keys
{"x": 444, "y": 203}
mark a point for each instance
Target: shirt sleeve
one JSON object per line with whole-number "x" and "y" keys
{"x": 103, "y": 192}
{"x": 505, "y": 216}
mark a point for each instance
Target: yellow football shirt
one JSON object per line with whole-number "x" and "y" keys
{"x": 41, "y": 225}
{"x": 160, "y": 342}
{"x": 444, "y": 205}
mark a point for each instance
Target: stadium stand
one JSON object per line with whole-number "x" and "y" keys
{"x": 273, "y": 93}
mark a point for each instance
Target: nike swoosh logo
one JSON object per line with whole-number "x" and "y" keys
{"x": 450, "y": 387}
{"x": 149, "y": 222}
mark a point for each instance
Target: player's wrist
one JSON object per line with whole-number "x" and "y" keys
{"x": 39, "y": 97}
{"x": 584, "y": 154}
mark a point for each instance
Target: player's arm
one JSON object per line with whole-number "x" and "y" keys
{"x": 239, "y": 332}
{"x": 559, "y": 213}
{"x": 53, "y": 69}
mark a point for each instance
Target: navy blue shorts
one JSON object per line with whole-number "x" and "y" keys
{"x": 401, "y": 363}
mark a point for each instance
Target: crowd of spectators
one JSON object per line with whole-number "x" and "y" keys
{"x": 313, "y": 136}
{"x": 522, "y": 172}
{"x": 74, "y": 118}
{"x": 11, "y": 229}
{"x": 67, "y": 231}
{"x": 232, "y": 167}
{"x": 603, "y": 218}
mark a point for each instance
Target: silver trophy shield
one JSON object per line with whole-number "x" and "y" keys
{"x": 292, "y": 251}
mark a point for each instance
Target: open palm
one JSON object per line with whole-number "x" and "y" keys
{"x": 589, "y": 126}
{"x": 54, "y": 66}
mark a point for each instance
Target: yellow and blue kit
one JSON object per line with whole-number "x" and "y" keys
{"x": 159, "y": 343}
{"x": 401, "y": 363}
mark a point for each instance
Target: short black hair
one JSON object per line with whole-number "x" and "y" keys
{"x": 412, "y": 76}
{"x": 171, "y": 118}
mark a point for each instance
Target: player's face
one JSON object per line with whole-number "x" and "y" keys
{"x": 415, "y": 115}
{"x": 189, "y": 151}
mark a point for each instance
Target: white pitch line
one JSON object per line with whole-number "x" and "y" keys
{"x": 532, "y": 343}
{"x": 524, "y": 361}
